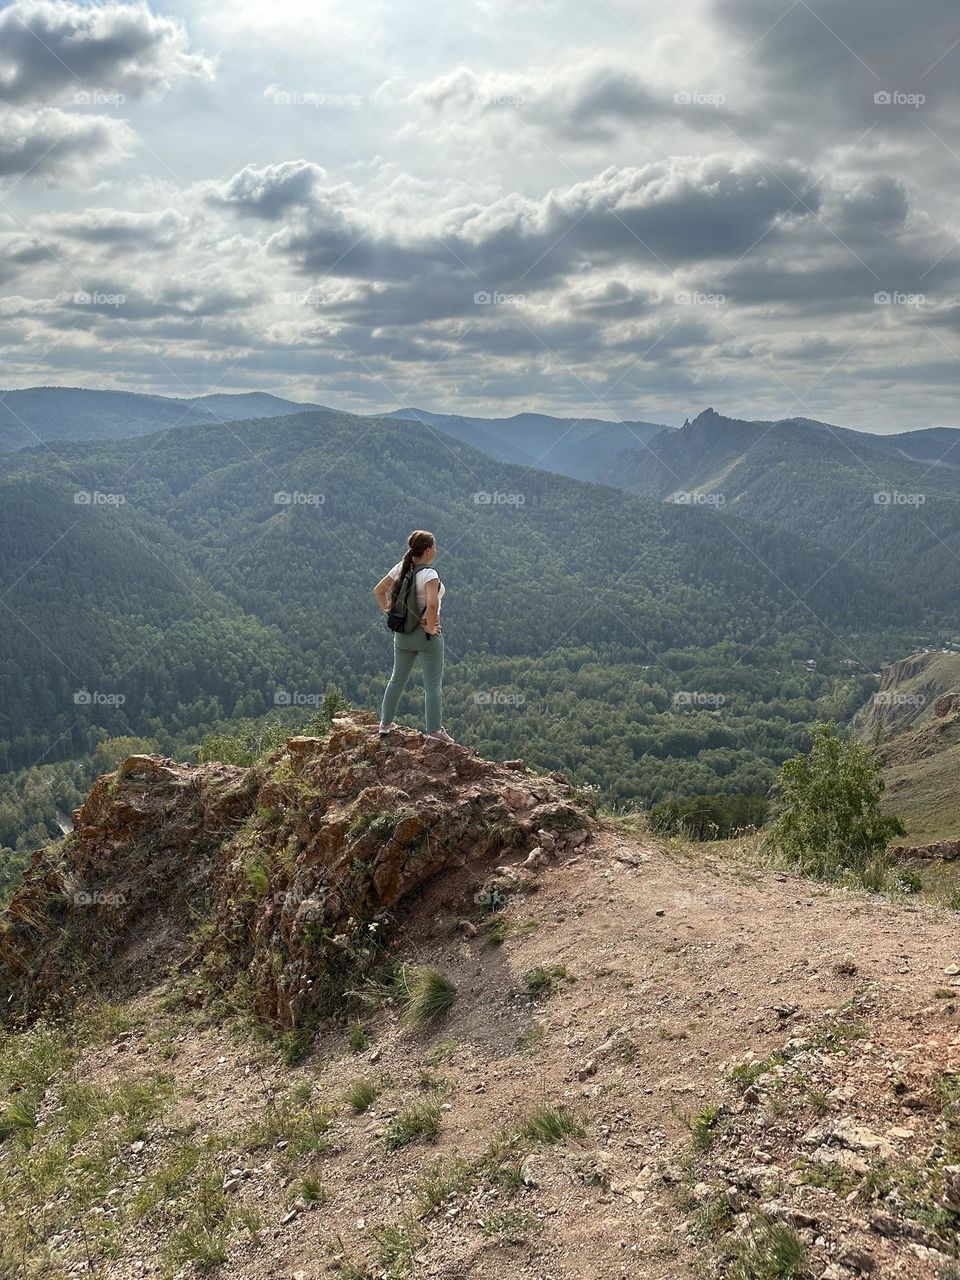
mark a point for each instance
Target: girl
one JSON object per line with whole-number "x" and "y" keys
{"x": 426, "y": 640}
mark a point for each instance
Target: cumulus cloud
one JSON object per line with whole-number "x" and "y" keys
{"x": 50, "y": 143}
{"x": 118, "y": 229}
{"x": 270, "y": 191}
{"x": 659, "y": 215}
{"x": 53, "y": 50}
{"x": 591, "y": 100}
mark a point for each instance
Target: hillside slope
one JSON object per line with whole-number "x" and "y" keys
{"x": 648, "y": 1065}
{"x": 585, "y": 448}
{"x": 894, "y": 508}
{"x": 914, "y": 717}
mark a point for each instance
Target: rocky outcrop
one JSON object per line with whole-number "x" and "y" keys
{"x": 296, "y": 870}
{"x": 903, "y": 696}
{"x": 947, "y": 850}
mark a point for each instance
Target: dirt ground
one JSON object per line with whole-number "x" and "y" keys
{"x": 667, "y": 971}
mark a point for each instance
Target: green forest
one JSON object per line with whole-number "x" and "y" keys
{"x": 217, "y": 574}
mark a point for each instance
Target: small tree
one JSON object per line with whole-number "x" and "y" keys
{"x": 828, "y": 807}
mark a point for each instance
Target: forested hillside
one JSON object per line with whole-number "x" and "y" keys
{"x": 585, "y": 448}
{"x": 654, "y": 650}
{"x": 893, "y": 514}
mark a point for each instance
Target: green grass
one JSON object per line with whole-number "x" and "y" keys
{"x": 703, "y": 1127}
{"x": 549, "y": 1125}
{"x": 442, "y": 1179}
{"x": 397, "y": 1245}
{"x": 357, "y": 1037}
{"x": 425, "y": 994}
{"x": 770, "y": 1251}
{"x": 312, "y": 1190}
{"x": 361, "y": 1095}
{"x": 713, "y": 1219}
{"x": 514, "y": 1224}
{"x": 544, "y": 980}
{"x": 418, "y": 1122}
{"x": 446, "y": 1051}
{"x": 748, "y": 1073}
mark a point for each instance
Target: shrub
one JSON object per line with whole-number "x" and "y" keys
{"x": 828, "y": 802}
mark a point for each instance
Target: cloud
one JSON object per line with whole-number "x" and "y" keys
{"x": 18, "y": 253}
{"x": 54, "y": 50}
{"x": 590, "y": 101}
{"x": 268, "y": 192}
{"x": 119, "y": 229}
{"x": 55, "y": 144}
{"x": 663, "y": 213}
{"x": 836, "y": 56}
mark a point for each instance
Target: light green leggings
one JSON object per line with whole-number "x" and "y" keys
{"x": 405, "y": 650}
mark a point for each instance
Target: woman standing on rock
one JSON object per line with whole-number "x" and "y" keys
{"x": 416, "y": 630}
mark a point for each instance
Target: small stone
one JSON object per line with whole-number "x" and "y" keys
{"x": 858, "y": 1260}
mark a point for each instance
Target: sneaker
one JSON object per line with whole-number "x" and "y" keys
{"x": 386, "y": 729}
{"x": 441, "y": 735}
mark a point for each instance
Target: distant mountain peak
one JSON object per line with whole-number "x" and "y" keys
{"x": 708, "y": 417}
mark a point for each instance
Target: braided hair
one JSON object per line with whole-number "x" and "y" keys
{"x": 420, "y": 540}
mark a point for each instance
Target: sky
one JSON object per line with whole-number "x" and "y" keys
{"x": 615, "y": 210}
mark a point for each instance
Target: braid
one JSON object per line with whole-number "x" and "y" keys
{"x": 420, "y": 540}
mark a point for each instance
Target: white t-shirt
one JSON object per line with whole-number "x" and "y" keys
{"x": 423, "y": 577}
